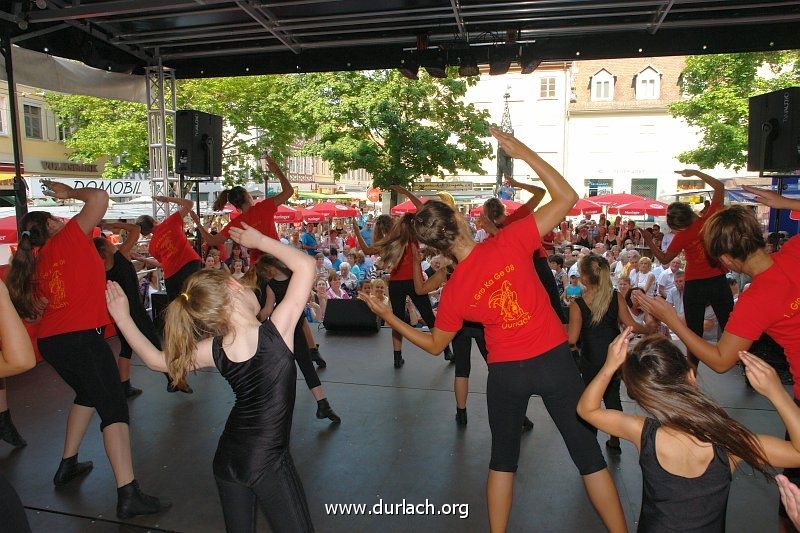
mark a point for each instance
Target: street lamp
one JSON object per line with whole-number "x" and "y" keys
{"x": 265, "y": 168}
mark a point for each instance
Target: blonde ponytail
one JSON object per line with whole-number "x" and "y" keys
{"x": 597, "y": 273}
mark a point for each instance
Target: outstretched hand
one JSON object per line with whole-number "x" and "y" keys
{"x": 510, "y": 144}
{"x": 761, "y": 376}
{"x": 768, "y": 197}
{"x": 687, "y": 172}
{"x": 376, "y": 305}
{"x": 57, "y": 190}
{"x": 117, "y": 302}
{"x": 790, "y": 496}
{"x": 618, "y": 350}
{"x": 247, "y": 236}
{"x": 655, "y": 307}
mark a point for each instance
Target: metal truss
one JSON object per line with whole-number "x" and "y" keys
{"x": 161, "y": 109}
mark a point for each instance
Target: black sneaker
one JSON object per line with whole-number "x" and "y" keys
{"x": 448, "y": 354}
{"x": 324, "y": 410}
{"x": 131, "y": 391}
{"x": 461, "y": 417}
{"x": 399, "y": 361}
{"x": 131, "y": 501}
{"x": 69, "y": 469}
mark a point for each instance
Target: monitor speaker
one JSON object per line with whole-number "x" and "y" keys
{"x": 350, "y": 316}
{"x": 773, "y": 137}
{"x": 198, "y": 144}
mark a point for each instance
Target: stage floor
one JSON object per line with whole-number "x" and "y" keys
{"x": 398, "y": 442}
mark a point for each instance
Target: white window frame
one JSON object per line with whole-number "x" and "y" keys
{"x": 603, "y": 86}
{"x": 41, "y": 121}
{"x": 648, "y": 84}
{"x": 545, "y": 89}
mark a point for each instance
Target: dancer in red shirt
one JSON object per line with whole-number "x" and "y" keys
{"x": 495, "y": 284}
{"x": 58, "y": 277}
{"x": 705, "y": 282}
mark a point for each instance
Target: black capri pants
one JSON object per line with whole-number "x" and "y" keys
{"x": 279, "y": 493}
{"x": 84, "y": 360}
{"x": 174, "y": 283}
{"x": 554, "y": 377}
{"x": 148, "y": 329}
{"x": 462, "y": 347}
{"x": 398, "y": 290}
{"x": 302, "y": 356}
{"x": 699, "y": 293}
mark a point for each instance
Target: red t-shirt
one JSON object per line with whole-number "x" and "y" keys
{"x": 71, "y": 275}
{"x": 169, "y": 245}
{"x": 260, "y": 216}
{"x": 497, "y": 286}
{"x": 519, "y": 214}
{"x": 688, "y": 240}
{"x": 772, "y": 305}
{"x": 404, "y": 269}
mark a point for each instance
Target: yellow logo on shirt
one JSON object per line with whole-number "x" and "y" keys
{"x": 505, "y": 298}
{"x": 55, "y": 286}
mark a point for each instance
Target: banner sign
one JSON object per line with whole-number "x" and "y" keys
{"x": 444, "y": 186}
{"x": 114, "y": 188}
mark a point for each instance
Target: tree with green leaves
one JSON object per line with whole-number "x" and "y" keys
{"x": 259, "y": 113}
{"x": 395, "y": 128}
{"x": 718, "y": 88}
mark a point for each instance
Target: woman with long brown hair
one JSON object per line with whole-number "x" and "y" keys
{"x": 687, "y": 480}
{"x": 394, "y": 242}
{"x": 272, "y": 279}
{"x": 57, "y": 277}
{"x": 495, "y": 284}
{"x": 594, "y": 321}
{"x": 214, "y": 323}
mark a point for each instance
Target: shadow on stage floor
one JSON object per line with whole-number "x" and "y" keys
{"x": 398, "y": 441}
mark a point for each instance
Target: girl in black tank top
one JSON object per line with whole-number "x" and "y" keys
{"x": 214, "y": 323}
{"x": 683, "y": 423}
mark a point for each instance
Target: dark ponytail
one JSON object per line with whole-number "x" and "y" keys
{"x": 392, "y": 245}
{"x": 236, "y": 196}
{"x": 22, "y": 285}
{"x": 436, "y": 225}
{"x": 146, "y": 223}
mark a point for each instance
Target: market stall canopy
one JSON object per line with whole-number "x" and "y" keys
{"x": 332, "y": 210}
{"x": 612, "y": 200}
{"x": 285, "y": 214}
{"x": 244, "y": 37}
{"x": 640, "y": 207}
{"x": 585, "y": 206}
{"x": 511, "y": 206}
{"x": 310, "y": 216}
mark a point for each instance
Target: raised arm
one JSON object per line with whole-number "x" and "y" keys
{"x": 563, "y": 195}
{"x": 303, "y": 268}
{"x": 17, "y": 355}
{"x": 286, "y": 188}
{"x": 185, "y": 205}
{"x": 537, "y": 193}
{"x": 575, "y": 323}
{"x": 132, "y": 237}
{"x": 718, "y": 197}
{"x": 720, "y": 357}
{"x": 663, "y": 257}
{"x": 411, "y": 196}
{"x": 95, "y": 202}
{"x": 764, "y": 379}
{"x": 119, "y": 309}
{"x": 208, "y": 238}
{"x": 432, "y": 283}
{"x": 367, "y": 249}
{"x": 613, "y": 422}
{"x": 772, "y": 199}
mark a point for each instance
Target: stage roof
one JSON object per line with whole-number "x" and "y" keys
{"x": 203, "y": 38}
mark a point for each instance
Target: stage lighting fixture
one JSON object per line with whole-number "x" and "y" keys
{"x": 468, "y": 65}
{"x": 435, "y": 62}
{"x": 500, "y": 58}
{"x": 409, "y": 67}
{"x": 528, "y": 62}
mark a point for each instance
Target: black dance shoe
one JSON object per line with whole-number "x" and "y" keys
{"x": 130, "y": 391}
{"x": 131, "y": 501}
{"x": 69, "y": 469}
{"x": 461, "y": 416}
{"x": 448, "y": 354}
{"x": 613, "y": 449}
{"x": 527, "y": 424}
{"x": 399, "y": 361}
{"x": 324, "y": 410}
{"x": 8, "y": 432}
{"x": 317, "y": 358}
{"x": 172, "y": 388}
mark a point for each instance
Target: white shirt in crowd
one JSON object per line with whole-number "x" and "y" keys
{"x": 667, "y": 280}
{"x": 327, "y": 263}
{"x": 666, "y": 240}
{"x": 640, "y": 279}
{"x": 481, "y": 235}
{"x": 675, "y": 297}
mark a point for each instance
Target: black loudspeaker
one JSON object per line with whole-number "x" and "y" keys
{"x": 198, "y": 144}
{"x": 159, "y": 302}
{"x": 773, "y": 137}
{"x": 350, "y": 315}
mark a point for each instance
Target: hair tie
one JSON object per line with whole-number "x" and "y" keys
{"x": 26, "y": 233}
{"x": 185, "y": 296}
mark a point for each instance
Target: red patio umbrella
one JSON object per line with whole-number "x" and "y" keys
{"x": 330, "y": 209}
{"x": 586, "y": 207}
{"x": 406, "y": 207}
{"x": 8, "y": 230}
{"x": 286, "y": 214}
{"x": 641, "y": 207}
{"x": 616, "y": 199}
{"x": 511, "y": 206}
{"x": 310, "y": 216}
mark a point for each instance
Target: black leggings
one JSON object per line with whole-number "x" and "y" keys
{"x": 279, "y": 493}
{"x": 398, "y": 290}
{"x": 700, "y": 293}
{"x": 84, "y": 360}
{"x": 303, "y": 356}
{"x": 145, "y": 325}
{"x": 554, "y": 377}
{"x": 549, "y": 282}
{"x": 174, "y": 283}
{"x": 462, "y": 347}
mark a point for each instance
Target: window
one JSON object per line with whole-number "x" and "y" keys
{"x": 547, "y": 87}
{"x": 3, "y": 129}
{"x": 602, "y": 86}
{"x": 33, "y": 121}
{"x": 65, "y": 131}
{"x": 595, "y": 186}
{"x": 648, "y": 84}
